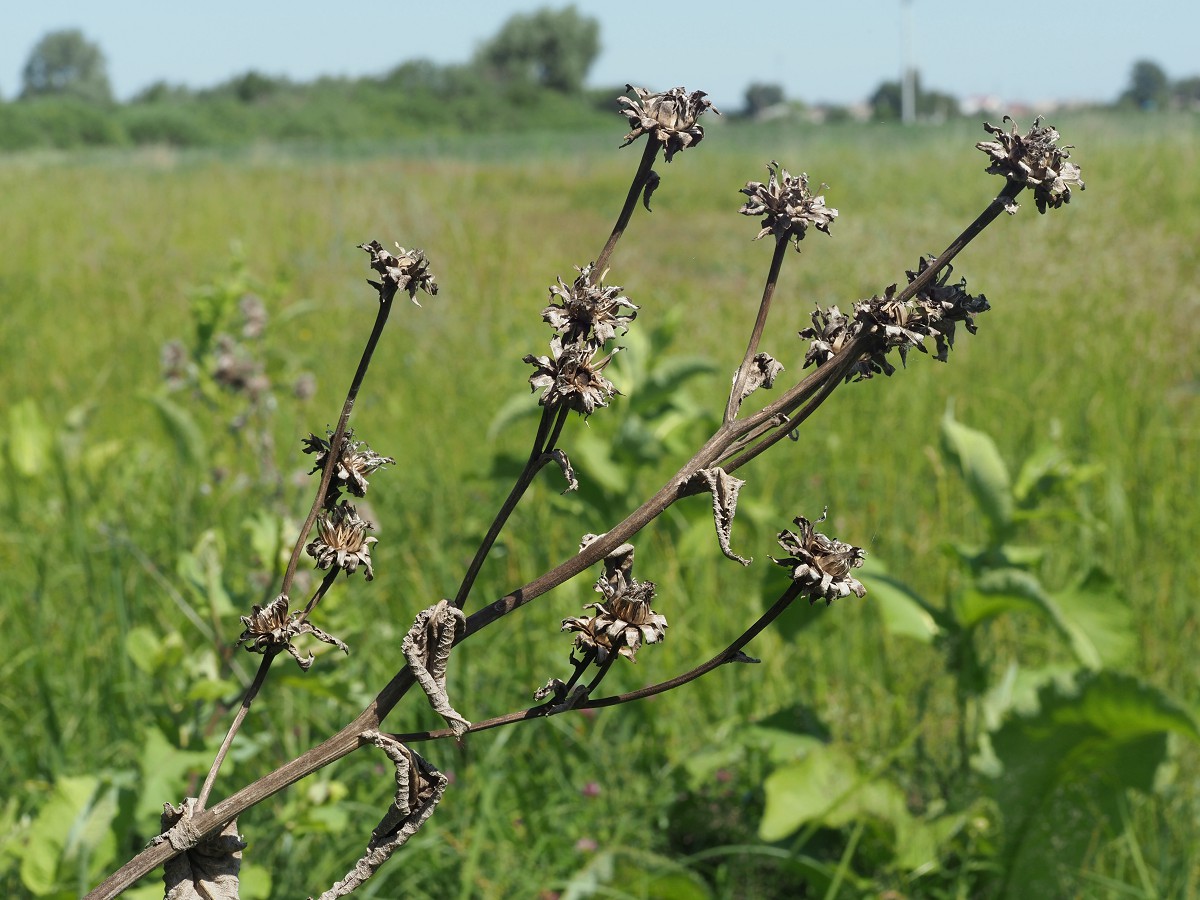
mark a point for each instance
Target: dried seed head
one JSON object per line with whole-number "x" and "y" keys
{"x": 786, "y": 205}
{"x": 624, "y": 621}
{"x": 1033, "y": 160}
{"x": 272, "y": 626}
{"x": 588, "y": 313}
{"x": 819, "y": 563}
{"x": 570, "y": 377}
{"x": 896, "y": 324}
{"x": 342, "y": 540}
{"x": 356, "y": 462}
{"x": 408, "y": 270}
{"x": 669, "y": 117}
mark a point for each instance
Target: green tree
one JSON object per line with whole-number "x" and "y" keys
{"x": 1186, "y": 92}
{"x": 1148, "y": 86}
{"x": 551, "y": 48}
{"x": 65, "y": 63}
{"x": 760, "y": 96}
{"x": 886, "y": 102}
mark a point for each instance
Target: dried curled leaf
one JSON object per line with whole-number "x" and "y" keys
{"x": 761, "y": 372}
{"x": 564, "y": 463}
{"x": 419, "y": 788}
{"x": 724, "y": 489}
{"x": 208, "y": 868}
{"x": 427, "y": 649}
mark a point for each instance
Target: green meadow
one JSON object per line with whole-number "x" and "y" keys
{"x": 139, "y": 523}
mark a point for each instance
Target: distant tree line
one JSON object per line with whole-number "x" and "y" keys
{"x": 531, "y": 74}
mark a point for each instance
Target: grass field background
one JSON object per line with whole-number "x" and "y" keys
{"x": 1091, "y": 341}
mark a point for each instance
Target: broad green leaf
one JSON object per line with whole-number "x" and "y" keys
{"x": 164, "y": 770}
{"x": 30, "y": 440}
{"x": 902, "y": 610}
{"x": 1041, "y": 469}
{"x": 514, "y": 409}
{"x": 203, "y": 569}
{"x": 826, "y": 788}
{"x": 71, "y": 838}
{"x": 181, "y": 428}
{"x": 1099, "y": 618}
{"x": 1000, "y": 591}
{"x": 1066, "y": 766}
{"x": 978, "y": 459}
{"x": 628, "y": 872}
{"x": 592, "y": 458}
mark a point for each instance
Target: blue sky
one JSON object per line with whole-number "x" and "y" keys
{"x": 1019, "y": 50}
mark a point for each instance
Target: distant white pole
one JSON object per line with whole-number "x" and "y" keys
{"x": 908, "y": 75}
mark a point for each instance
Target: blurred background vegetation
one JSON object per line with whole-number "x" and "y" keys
{"x": 1010, "y": 710}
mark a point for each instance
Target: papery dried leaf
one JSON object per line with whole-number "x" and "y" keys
{"x": 427, "y": 649}
{"x": 762, "y": 372}
{"x": 564, "y": 463}
{"x": 724, "y": 489}
{"x": 207, "y": 869}
{"x": 653, "y": 180}
{"x": 417, "y": 795}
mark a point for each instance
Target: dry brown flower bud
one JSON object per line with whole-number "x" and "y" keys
{"x": 273, "y": 626}
{"x": 1033, "y": 160}
{"x": 819, "y": 563}
{"x": 356, "y": 462}
{"x": 586, "y": 312}
{"x": 787, "y": 206}
{"x": 669, "y": 117}
{"x": 624, "y": 621}
{"x": 406, "y": 271}
{"x": 570, "y": 377}
{"x": 342, "y": 540}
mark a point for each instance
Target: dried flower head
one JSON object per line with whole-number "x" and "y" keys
{"x": 896, "y": 324}
{"x": 342, "y": 540}
{"x": 254, "y": 316}
{"x": 1033, "y": 160}
{"x": 831, "y": 330}
{"x": 624, "y": 621}
{"x": 586, "y": 312}
{"x": 786, "y": 205}
{"x": 819, "y": 563}
{"x": 669, "y": 117}
{"x": 408, "y": 270}
{"x": 356, "y": 462}
{"x": 176, "y": 364}
{"x": 272, "y": 626}
{"x": 570, "y": 377}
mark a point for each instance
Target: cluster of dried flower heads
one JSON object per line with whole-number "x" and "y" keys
{"x": 585, "y": 316}
{"x": 895, "y": 324}
{"x": 623, "y": 621}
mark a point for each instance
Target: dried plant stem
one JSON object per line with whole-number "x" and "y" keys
{"x": 812, "y": 390}
{"x": 551, "y": 425}
{"x": 726, "y": 656}
{"x": 334, "y": 457}
{"x": 653, "y": 145}
{"x": 386, "y": 296}
{"x": 260, "y": 678}
{"x": 760, "y": 324}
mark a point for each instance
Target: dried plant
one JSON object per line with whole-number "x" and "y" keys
{"x": 587, "y": 316}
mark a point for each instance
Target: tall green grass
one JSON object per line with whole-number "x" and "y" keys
{"x": 1092, "y": 338}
